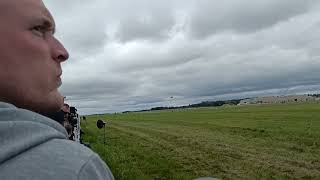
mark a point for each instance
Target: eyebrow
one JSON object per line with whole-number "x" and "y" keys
{"x": 47, "y": 23}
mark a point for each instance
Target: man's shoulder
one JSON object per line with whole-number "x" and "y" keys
{"x": 63, "y": 148}
{"x": 58, "y": 159}
{"x": 36, "y": 147}
{"x": 76, "y": 157}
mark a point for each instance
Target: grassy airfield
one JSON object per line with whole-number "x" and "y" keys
{"x": 238, "y": 142}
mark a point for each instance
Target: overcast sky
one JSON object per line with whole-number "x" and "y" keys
{"x": 129, "y": 55}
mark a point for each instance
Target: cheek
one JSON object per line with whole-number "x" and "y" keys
{"x": 27, "y": 60}
{"x": 33, "y": 46}
{"x": 37, "y": 53}
{"x": 23, "y": 49}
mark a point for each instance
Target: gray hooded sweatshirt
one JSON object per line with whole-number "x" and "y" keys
{"x": 33, "y": 147}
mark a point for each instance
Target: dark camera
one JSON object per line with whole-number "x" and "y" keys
{"x": 73, "y": 110}
{"x": 73, "y": 118}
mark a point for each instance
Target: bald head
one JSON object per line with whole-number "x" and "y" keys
{"x": 22, "y": 7}
{"x": 30, "y": 56}
{"x": 8, "y": 5}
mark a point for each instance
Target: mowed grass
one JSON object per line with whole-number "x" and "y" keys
{"x": 237, "y": 142}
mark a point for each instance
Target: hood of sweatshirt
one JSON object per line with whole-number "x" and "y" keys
{"x": 21, "y": 130}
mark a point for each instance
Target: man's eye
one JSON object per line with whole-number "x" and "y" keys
{"x": 39, "y": 30}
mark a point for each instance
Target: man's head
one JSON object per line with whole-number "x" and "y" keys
{"x": 65, "y": 108}
{"x": 30, "y": 56}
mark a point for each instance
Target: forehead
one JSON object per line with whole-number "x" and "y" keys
{"x": 34, "y": 9}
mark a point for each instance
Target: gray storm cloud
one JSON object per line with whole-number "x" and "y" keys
{"x": 245, "y": 16}
{"x": 128, "y": 55}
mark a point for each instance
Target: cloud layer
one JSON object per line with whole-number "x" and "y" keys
{"x": 128, "y": 55}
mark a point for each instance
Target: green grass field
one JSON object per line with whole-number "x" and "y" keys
{"x": 237, "y": 142}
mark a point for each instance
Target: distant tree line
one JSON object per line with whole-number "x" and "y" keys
{"x": 314, "y": 95}
{"x": 202, "y": 104}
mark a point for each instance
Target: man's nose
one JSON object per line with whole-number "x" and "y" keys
{"x": 59, "y": 53}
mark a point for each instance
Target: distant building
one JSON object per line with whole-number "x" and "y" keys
{"x": 279, "y": 99}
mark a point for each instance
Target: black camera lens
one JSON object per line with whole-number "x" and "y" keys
{"x": 73, "y": 110}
